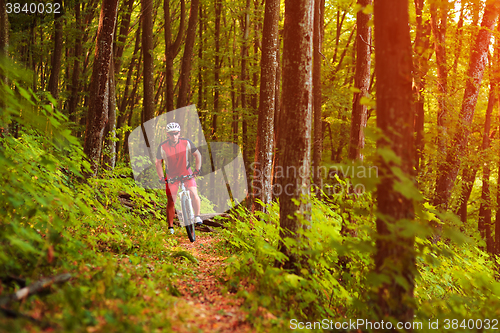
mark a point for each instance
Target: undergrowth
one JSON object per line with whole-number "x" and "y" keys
{"x": 52, "y": 221}
{"x": 455, "y": 279}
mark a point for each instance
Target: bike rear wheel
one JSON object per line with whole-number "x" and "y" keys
{"x": 187, "y": 216}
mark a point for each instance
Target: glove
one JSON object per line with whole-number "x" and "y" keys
{"x": 196, "y": 172}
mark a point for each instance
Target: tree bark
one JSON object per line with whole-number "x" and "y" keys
{"x": 99, "y": 86}
{"x": 361, "y": 82}
{"x": 4, "y": 29}
{"x": 109, "y": 157}
{"x": 468, "y": 178}
{"x": 75, "y": 75}
{"x": 4, "y": 36}
{"x": 262, "y": 178}
{"x": 422, "y": 43}
{"x": 218, "y": 63}
{"x": 295, "y": 143}
{"x": 121, "y": 37}
{"x": 484, "y": 221}
{"x": 185, "y": 75}
{"x": 147, "y": 52}
{"x": 319, "y": 29}
{"x": 56, "y": 54}
{"x": 171, "y": 51}
{"x": 439, "y": 19}
{"x": 395, "y": 254}
{"x": 450, "y": 167}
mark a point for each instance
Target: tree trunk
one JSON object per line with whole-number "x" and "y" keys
{"x": 56, "y": 54}
{"x": 4, "y": 35}
{"x": 421, "y": 44}
{"x": 319, "y": 29}
{"x": 75, "y": 76}
{"x": 109, "y": 157}
{"x": 262, "y": 179}
{"x": 484, "y": 221}
{"x": 147, "y": 53}
{"x": 171, "y": 51}
{"x": 439, "y": 19}
{"x": 201, "y": 68}
{"x": 99, "y": 86}
{"x": 218, "y": 63}
{"x": 295, "y": 142}
{"x": 361, "y": 82}
{"x": 395, "y": 254}
{"x": 185, "y": 75}
{"x": 121, "y": 37}
{"x": 446, "y": 178}
{"x": 4, "y": 29}
{"x": 468, "y": 178}
{"x": 458, "y": 38}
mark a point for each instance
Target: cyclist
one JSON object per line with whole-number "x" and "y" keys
{"x": 176, "y": 152}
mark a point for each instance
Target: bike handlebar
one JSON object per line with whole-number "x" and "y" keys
{"x": 179, "y": 178}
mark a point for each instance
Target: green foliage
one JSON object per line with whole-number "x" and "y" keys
{"x": 455, "y": 278}
{"x": 321, "y": 288}
{"x": 52, "y": 221}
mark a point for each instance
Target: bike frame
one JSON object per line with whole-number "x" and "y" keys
{"x": 186, "y": 205}
{"x": 184, "y": 192}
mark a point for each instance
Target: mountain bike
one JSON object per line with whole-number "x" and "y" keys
{"x": 188, "y": 219}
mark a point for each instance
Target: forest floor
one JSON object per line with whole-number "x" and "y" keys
{"x": 204, "y": 305}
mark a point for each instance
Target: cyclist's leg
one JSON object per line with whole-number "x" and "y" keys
{"x": 195, "y": 199}
{"x": 171, "y": 195}
{"x": 170, "y": 211}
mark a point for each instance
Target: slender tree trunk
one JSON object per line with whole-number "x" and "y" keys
{"x": 468, "y": 178}
{"x": 109, "y": 157}
{"x": 121, "y": 37}
{"x": 262, "y": 178}
{"x": 56, "y": 54}
{"x": 75, "y": 76}
{"x": 201, "y": 66}
{"x": 295, "y": 143}
{"x": 395, "y": 254}
{"x": 147, "y": 53}
{"x": 99, "y": 86}
{"x": 184, "y": 78}
{"x": 4, "y": 28}
{"x": 4, "y": 43}
{"x": 484, "y": 222}
{"x": 4, "y": 35}
{"x": 319, "y": 28}
{"x": 450, "y": 167}
{"x": 218, "y": 63}
{"x": 361, "y": 83}
{"x": 496, "y": 75}
{"x": 458, "y": 38}
{"x": 342, "y": 56}
{"x": 340, "y": 24}
{"x": 421, "y": 44}
{"x": 171, "y": 50}
{"x": 439, "y": 19}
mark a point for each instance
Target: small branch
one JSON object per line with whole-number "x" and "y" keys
{"x": 370, "y": 45}
{"x": 326, "y": 60}
{"x": 33, "y": 288}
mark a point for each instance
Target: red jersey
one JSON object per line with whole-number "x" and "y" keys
{"x": 177, "y": 158}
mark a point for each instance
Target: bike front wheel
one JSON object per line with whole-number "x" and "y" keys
{"x": 188, "y": 217}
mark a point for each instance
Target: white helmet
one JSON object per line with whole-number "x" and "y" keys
{"x": 173, "y": 127}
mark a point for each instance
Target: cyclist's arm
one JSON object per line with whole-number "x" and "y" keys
{"x": 159, "y": 168}
{"x": 197, "y": 157}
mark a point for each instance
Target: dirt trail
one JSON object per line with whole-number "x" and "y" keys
{"x": 203, "y": 307}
